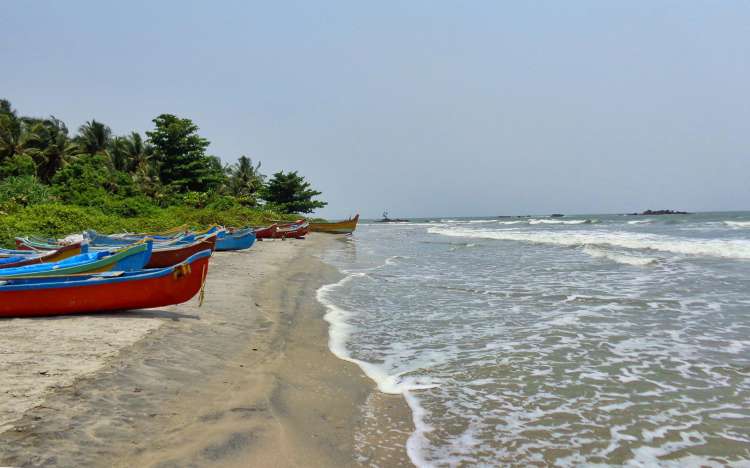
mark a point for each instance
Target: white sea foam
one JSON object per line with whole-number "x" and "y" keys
{"x": 339, "y": 332}
{"x": 640, "y": 221}
{"x": 737, "y": 248}
{"x": 561, "y": 221}
{"x": 633, "y": 260}
{"x": 738, "y": 224}
{"x": 510, "y": 222}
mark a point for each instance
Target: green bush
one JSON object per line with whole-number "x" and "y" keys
{"x": 19, "y": 192}
{"x": 90, "y": 181}
{"x": 57, "y": 220}
{"x": 18, "y": 166}
{"x": 195, "y": 199}
{"x": 130, "y": 207}
{"x": 222, "y": 202}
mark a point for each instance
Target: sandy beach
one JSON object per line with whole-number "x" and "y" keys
{"x": 245, "y": 380}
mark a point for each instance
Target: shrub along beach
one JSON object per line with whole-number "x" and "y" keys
{"x": 108, "y": 238}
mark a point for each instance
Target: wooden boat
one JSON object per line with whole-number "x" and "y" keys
{"x": 294, "y": 231}
{"x": 171, "y": 255}
{"x": 134, "y": 257}
{"x": 100, "y": 242}
{"x": 293, "y": 223}
{"x": 104, "y": 292}
{"x": 235, "y": 240}
{"x": 337, "y": 227}
{"x": 266, "y": 232}
{"x": 97, "y": 239}
{"x": 30, "y": 258}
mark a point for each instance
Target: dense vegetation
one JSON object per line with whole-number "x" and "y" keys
{"x": 53, "y": 183}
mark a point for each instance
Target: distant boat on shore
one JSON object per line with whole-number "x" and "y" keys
{"x": 336, "y": 227}
{"x": 386, "y": 219}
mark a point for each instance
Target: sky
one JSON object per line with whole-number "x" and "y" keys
{"x": 425, "y": 108}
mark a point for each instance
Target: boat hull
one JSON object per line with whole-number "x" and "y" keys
{"x": 266, "y": 232}
{"x": 168, "y": 256}
{"x": 339, "y": 227}
{"x": 292, "y": 233}
{"x": 236, "y": 241}
{"x": 163, "y": 287}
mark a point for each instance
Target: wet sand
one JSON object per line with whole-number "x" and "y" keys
{"x": 246, "y": 380}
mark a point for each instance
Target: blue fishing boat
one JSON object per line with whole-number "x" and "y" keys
{"x": 237, "y": 240}
{"x": 134, "y": 257}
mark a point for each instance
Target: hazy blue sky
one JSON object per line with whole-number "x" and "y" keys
{"x": 423, "y": 107}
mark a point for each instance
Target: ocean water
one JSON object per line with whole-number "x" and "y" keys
{"x": 583, "y": 340}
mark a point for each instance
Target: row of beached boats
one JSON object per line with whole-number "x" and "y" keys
{"x": 94, "y": 272}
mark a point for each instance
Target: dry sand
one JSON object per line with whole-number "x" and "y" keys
{"x": 246, "y": 380}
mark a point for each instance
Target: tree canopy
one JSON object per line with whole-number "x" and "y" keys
{"x": 181, "y": 155}
{"x": 170, "y": 166}
{"x": 291, "y": 193}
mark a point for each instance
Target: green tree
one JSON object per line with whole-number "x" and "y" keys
{"x": 129, "y": 153}
{"x": 94, "y": 138}
{"x": 51, "y": 147}
{"x": 90, "y": 181}
{"x": 14, "y": 137}
{"x": 181, "y": 156}
{"x": 291, "y": 193}
{"x": 244, "y": 179}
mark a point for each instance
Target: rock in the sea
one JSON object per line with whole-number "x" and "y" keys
{"x": 662, "y": 212}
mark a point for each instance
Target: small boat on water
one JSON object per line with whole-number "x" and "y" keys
{"x": 336, "y": 227}
{"x": 134, "y": 257}
{"x": 104, "y": 292}
{"x": 239, "y": 239}
{"x": 30, "y": 257}
{"x": 386, "y": 219}
{"x": 266, "y": 232}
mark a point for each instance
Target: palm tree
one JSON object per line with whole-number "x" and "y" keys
{"x": 244, "y": 178}
{"x": 131, "y": 152}
{"x": 51, "y": 146}
{"x": 139, "y": 152}
{"x": 94, "y": 138}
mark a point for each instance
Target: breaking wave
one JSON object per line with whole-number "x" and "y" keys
{"x": 632, "y": 260}
{"x": 738, "y": 224}
{"x": 736, "y": 249}
{"x": 562, "y": 221}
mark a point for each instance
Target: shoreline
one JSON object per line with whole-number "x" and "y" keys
{"x": 248, "y": 379}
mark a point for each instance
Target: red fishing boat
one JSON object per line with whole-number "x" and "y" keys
{"x": 266, "y": 232}
{"x": 167, "y": 256}
{"x": 104, "y": 292}
{"x": 292, "y": 231}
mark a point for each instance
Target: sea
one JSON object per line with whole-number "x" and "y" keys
{"x": 587, "y": 340}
